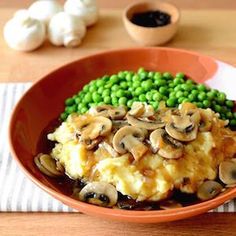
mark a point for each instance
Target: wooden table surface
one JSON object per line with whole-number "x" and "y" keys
{"x": 207, "y": 26}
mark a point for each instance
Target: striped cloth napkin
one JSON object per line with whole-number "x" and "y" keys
{"x": 17, "y": 193}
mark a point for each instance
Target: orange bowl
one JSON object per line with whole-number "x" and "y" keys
{"x": 44, "y": 101}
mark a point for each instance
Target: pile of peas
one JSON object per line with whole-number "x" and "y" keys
{"x": 151, "y": 87}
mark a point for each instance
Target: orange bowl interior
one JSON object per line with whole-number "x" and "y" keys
{"x": 44, "y": 101}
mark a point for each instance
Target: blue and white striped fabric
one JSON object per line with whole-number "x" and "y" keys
{"x": 17, "y": 193}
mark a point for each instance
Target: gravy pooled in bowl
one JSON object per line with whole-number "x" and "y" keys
{"x": 143, "y": 156}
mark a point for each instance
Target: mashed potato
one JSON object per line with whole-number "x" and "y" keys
{"x": 152, "y": 177}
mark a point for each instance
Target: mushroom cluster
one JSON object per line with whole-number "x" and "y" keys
{"x": 141, "y": 131}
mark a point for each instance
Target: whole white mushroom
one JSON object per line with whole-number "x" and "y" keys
{"x": 24, "y": 33}
{"x": 44, "y": 10}
{"x": 87, "y": 9}
{"x": 66, "y": 30}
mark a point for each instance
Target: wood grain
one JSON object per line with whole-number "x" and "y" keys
{"x": 209, "y": 32}
{"x": 210, "y": 29}
{"x": 44, "y": 224}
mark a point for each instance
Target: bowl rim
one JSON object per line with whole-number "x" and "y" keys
{"x": 118, "y": 214}
{"x": 134, "y": 4}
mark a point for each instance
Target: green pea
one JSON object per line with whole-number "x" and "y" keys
{"x": 163, "y": 90}
{"x": 229, "y": 115}
{"x": 151, "y": 74}
{"x": 229, "y": 104}
{"x": 172, "y": 94}
{"x": 234, "y": 115}
{"x": 107, "y": 99}
{"x": 142, "y": 98}
{"x": 84, "y": 110}
{"x": 69, "y": 101}
{"x": 179, "y": 94}
{"x": 136, "y": 78}
{"x": 194, "y": 92}
{"x": 171, "y": 102}
{"x": 186, "y": 93}
{"x": 100, "y": 83}
{"x": 201, "y": 87}
{"x": 139, "y": 91}
{"x": 88, "y": 98}
{"x": 167, "y": 75}
{"x": 100, "y": 90}
{"x": 77, "y": 100}
{"x": 106, "y": 92}
{"x": 96, "y": 97}
{"x": 206, "y": 103}
{"x": 180, "y": 75}
{"x": 190, "y": 82}
{"x": 157, "y": 76}
{"x": 232, "y": 122}
{"x": 147, "y": 85}
{"x": 143, "y": 75}
{"x": 136, "y": 84}
{"x": 92, "y": 88}
{"x": 130, "y": 103}
{"x": 120, "y": 93}
{"x": 177, "y": 81}
{"x": 114, "y": 101}
{"x": 155, "y": 105}
{"x": 177, "y": 87}
{"x": 105, "y": 78}
{"x": 186, "y": 87}
{"x": 217, "y": 108}
{"x": 192, "y": 97}
{"x": 181, "y": 99}
{"x": 221, "y": 98}
{"x": 141, "y": 70}
{"x": 122, "y": 74}
{"x": 171, "y": 85}
{"x": 129, "y": 77}
{"x": 211, "y": 95}
{"x": 114, "y": 79}
{"x": 199, "y": 105}
{"x": 149, "y": 96}
{"x": 86, "y": 88}
{"x": 201, "y": 96}
{"x": 122, "y": 101}
{"x": 108, "y": 85}
{"x": 113, "y": 95}
{"x": 124, "y": 85}
{"x": 63, "y": 116}
{"x": 71, "y": 109}
{"x": 157, "y": 97}
{"x": 115, "y": 87}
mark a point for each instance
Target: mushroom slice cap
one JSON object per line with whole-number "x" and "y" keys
{"x": 129, "y": 139}
{"x": 109, "y": 111}
{"x": 47, "y": 165}
{"x": 165, "y": 145}
{"x": 206, "y": 116}
{"x": 99, "y": 193}
{"x": 145, "y": 123}
{"x": 90, "y": 127}
{"x": 137, "y": 109}
{"x": 227, "y": 172}
{"x": 182, "y": 128}
{"x": 209, "y": 189}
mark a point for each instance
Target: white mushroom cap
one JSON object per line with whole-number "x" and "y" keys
{"x": 44, "y": 10}
{"x": 24, "y": 33}
{"x": 86, "y": 9}
{"x": 65, "y": 29}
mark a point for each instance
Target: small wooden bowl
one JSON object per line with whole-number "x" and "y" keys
{"x": 151, "y": 36}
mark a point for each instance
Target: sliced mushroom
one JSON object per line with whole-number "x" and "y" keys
{"x": 129, "y": 139}
{"x": 137, "y": 109}
{"x": 91, "y": 143}
{"x": 140, "y": 109}
{"x": 109, "y": 111}
{"x": 89, "y": 128}
{"x": 206, "y": 120}
{"x": 182, "y": 128}
{"x": 165, "y": 145}
{"x": 117, "y": 124}
{"x": 209, "y": 189}
{"x": 227, "y": 172}
{"x": 99, "y": 193}
{"x": 109, "y": 149}
{"x": 170, "y": 204}
{"x": 47, "y": 165}
{"x": 145, "y": 123}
